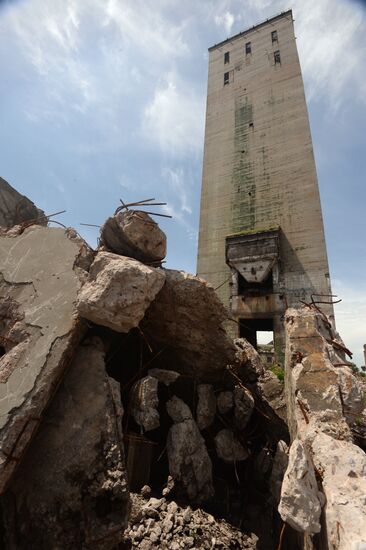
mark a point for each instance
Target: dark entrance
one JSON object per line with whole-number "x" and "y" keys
{"x": 250, "y": 327}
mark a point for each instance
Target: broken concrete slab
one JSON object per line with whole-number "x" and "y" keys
{"x": 144, "y": 402}
{"x": 118, "y": 291}
{"x": 70, "y": 490}
{"x": 228, "y": 448}
{"x": 317, "y": 414}
{"x": 206, "y": 406}
{"x": 164, "y": 376}
{"x": 189, "y": 462}
{"x": 16, "y": 209}
{"x": 300, "y": 503}
{"x": 186, "y": 317}
{"x": 279, "y": 467}
{"x": 135, "y": 234}
{"x": 40, "y": 279}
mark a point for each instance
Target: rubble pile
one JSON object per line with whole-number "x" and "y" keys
{"x": 116, "y": 373}
{"x": 162, "y": 523}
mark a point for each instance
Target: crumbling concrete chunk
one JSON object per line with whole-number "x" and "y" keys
{"x": 39, "y": 277}
{"x": 134, "y": 234}
{"x": 164, "y": 376}
{"x": 118, "y": 291}
{"x": 352, "y": 394}
{"x": 225, "y": 401}
{"x": 16, "y": 208}
{"x": 189, "y": 462}
{"x": 206, "y": 406}
{"x": 279, "y": 467}
{"x": 343, "y": 468}
{"x": 71, "y": 490}
{"x": 187, "y": 316}
{"x": 228, "y": 448}
{"x": 300, "y": 504}
{"x": 144, "y": 402}
{"x": 243, "y": 406}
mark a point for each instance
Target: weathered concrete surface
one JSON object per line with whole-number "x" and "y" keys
{"x": 243, "y": 406}
{"x": 16, "y": 208}
{"x": 134, "y": 234}
{"x": 187, "y": 317}
{"x": 228, "y": 448}
{"x": 70, "y": 490}
{"x": 300, "y": 504}
{"x": 206, "y": 406}
{"x": 279, "y": 467}
{"x": 189, "y": 462}
{"x": 39, "y": 281}
{"x": 320, "y": 397}
{"x": 118, "y": 291}
{"x": 144, "y": 402}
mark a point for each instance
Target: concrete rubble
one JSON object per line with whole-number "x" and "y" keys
{"x": 16, "y": 209}
{"x": 117, "y": 374}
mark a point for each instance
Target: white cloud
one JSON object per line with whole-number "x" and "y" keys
{"x": 225, "y": 20}
{"x": 350, "y": 317}
{"x": 173, "y": 120}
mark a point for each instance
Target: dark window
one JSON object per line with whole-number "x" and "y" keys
{"x": 248, "y": 48}
{"x": 274, "y": 37}
{"x": 226, "y": 78}
{"x": 251, "y": 125}
{"x": 277, "y": 57}
{"x": 227, "y": 57}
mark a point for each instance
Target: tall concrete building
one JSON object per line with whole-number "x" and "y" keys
{"x": 261, "y": 240}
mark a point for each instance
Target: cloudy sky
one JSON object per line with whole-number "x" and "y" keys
{"x": 105, "y": 99}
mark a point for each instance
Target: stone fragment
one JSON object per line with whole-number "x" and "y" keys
{"x": 225, "y": 401}
{"x": 243, "y": 406}
{"x": 134, "y": 234}
{"x": 74, "y": 466}
{"x": 206, "y": 406}
{"x": 144, "y": 400}
{"x": 189, "y": 462}
{"x": 118, "y": 291}
{"x": 16, "y": 208}
{"x": 187, "y": 316}
{"x": 39, "y": 282}
{"x": 145, "y": 491}
{"x": 279, "y": 467}
{"x": 300, "y": 505}
{"x": 228, "y": 448}
{"x": 164, "y": 376}
{"x": 343, "y": 468}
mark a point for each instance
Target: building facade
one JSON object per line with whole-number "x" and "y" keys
{"x": 261, "y": 239}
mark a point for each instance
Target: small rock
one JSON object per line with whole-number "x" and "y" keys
{"x": 145, "y": 491}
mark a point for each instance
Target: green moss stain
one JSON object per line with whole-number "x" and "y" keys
{"x": 243, "y": 184}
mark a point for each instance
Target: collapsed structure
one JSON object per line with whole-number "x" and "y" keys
{"x": 117, "y": 377}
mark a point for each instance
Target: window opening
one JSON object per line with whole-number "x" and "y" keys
{"x": 248, "y": 48}
{"x": 257, "y": 331}
{"x": 227, "y": 57}
{"x": 274, "y": 37}
{"x": 226, "y": 78}
{"x": 277, "y": 57}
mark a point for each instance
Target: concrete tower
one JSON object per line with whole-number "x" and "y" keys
{"x": 261, "y": 235}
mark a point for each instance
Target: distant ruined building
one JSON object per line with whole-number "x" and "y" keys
{"x": 261, "y": 240}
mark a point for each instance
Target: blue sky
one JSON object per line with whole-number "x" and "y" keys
{"x": 105, "y": 99}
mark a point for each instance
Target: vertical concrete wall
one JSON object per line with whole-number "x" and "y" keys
{"x": 259, "y": 170}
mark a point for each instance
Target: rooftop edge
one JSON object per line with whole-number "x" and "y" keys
{"x": 254, "y": 27}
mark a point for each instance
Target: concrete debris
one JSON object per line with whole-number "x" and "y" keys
{"x": 320, "y": 399}
{"x": 300, "y": 504}
{"x": 189, "y": 462}
{"x": 164, "y": 376}
{"x": 118, "y": 291}
{"x": 279, "y": 467}
{"x": 206, "y": 406}
{"x": 225, "y": 401}
{"x": 73, "y": 475}
{"x": 352, "y": 394}
{"x": 15, "y": 209}
{"x": 144, "y": 402}
{"x": 228, "y": 448}
{"x": 163, "y": 524}
{"x": 243, "y": 406}
{"x": 187, "y": 316}
{"x": 39, "y": 281}
{"x": 134, "y": 234}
